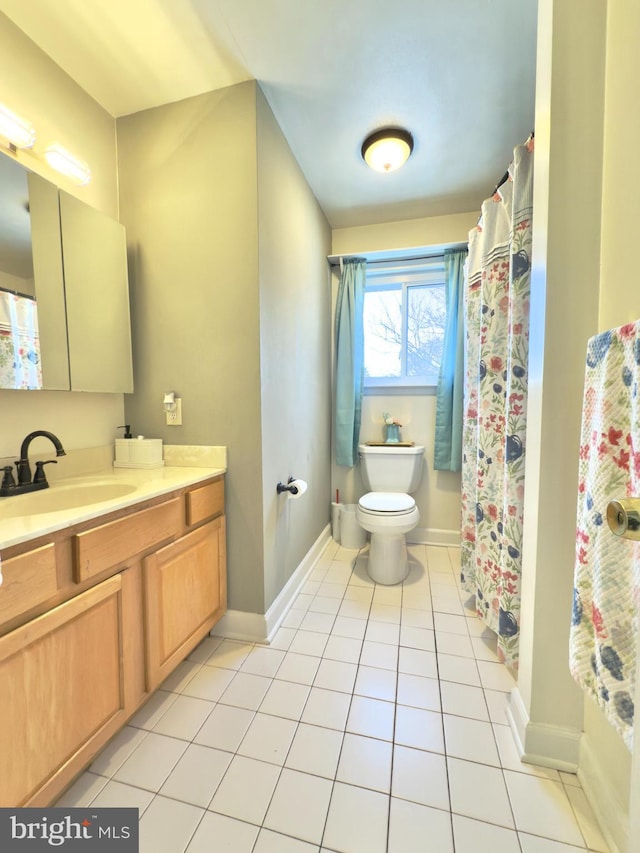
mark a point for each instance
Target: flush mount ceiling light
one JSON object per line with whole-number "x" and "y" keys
{"x": 17, "y": 131}
{"x": 65, "y": 163}
{"x": 387, "y": 149}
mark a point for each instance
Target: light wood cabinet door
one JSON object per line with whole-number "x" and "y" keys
{"x": 62, "y": 693}
{"x": 185, "y": 595}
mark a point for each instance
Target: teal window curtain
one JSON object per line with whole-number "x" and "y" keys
{"x": 349, "y": 380}
{"x": 448, "y": 437}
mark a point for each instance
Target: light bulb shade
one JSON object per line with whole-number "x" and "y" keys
{"x": 387, "y": 149}
{"x": 18, "y": 131}
{"x": 64, "y": 162}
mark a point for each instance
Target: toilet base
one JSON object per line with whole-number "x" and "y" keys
{"x": 388, "y": 562}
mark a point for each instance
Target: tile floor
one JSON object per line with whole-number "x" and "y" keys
{"x": 374, "y": 722}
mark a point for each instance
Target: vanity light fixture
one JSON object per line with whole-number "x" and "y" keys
{"x": 64, "y": 162}
{"x": 16, "y": 130}
{"x": 387, "y": 149}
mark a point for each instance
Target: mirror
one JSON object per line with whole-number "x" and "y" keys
{"x": 64, "y": 294}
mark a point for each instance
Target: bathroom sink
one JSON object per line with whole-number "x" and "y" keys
{"x": 62, "y": 497}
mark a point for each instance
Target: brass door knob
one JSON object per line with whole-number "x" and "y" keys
{"x": 623, "y": 518}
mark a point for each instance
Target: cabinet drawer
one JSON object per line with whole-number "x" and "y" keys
{"x": 118, "y": 541}
{"x": 205, "y": 502}
{"x": 29, "y": 580}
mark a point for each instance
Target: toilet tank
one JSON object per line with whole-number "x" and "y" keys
{"x": 391, "y": 469}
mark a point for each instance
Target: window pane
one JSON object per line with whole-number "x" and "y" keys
{"x": 426, "y": 316}
{"x": 382, "y": 332}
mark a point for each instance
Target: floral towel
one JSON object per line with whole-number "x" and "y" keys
{"x": 607, "y": 568}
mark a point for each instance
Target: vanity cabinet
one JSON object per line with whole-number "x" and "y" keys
{"x": 92, "y": 620}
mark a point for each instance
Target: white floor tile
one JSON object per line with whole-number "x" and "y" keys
{"x": 366, "y": 762}
{"x": 418, "y": 728}
{"x": 332, "y": 590}
{"x": 449, "y": 624}
{"x": 495, "y": 676}
{"x": 458, "y": 669}
{"x": 383, "y": 632}
{"x": 282, "y": 639}
{"x": 417, "y": 662}
{"x": 416, "y": 618}
{"x": 535, "y": 844}
{"x": 117, "y": 751}
{"x": 320, "y": 622}
{"x": 384, "y": 612}
{"x": 418, "y": 692}
{"x": 381, "y": 655}
{"x": 117, "y": 795}
{"x": 168, "y": 825}
{"x": 479, "y": 792}
{"x": 299, "y": 806}
{"x": 484, "y": 648}
{"x": 473, "y": 836}
{"x": 302, "y": 602}
{"x": 225, "y": 727}
{"x": 152, "y": 710}
{"x": 343, "y": 648}
{"x": 197, "y": 774}
{"x": 301, "y": 669}
{"x": 327, "y": 708}
{"x": 376, "y": 683}
{"x": 285, "y": 699}
{"x": 477, "y": 628}
{"x": 325, "y": 604}
{"x": 359, "y": 593}
{"x": 184, "y": 718}
{"x": 311, "y": 587}
{"x": 268, "y": 738}
{"x": 417, "y": 598}
{"x": 293, "y": 618}
{"x": 586, "y": 820}
{"x": 357, "y": 820}
{"x": 246, "y": 691}
{"x": 464, "y": 701}
{"x": 83, "y": 791}
{"x": 150, "y": 764}
{"x": 230, "y": 654}
{"x": 181, "y": 676}
{"x": 246, "y": 789}
{"x": 209, "y": 683}
{"x": 354, "y": 609}
{"x": 415, "y": 828}
{"x": 336, "y": 675}
{"x": 541, "y": 807}
{"x": 420, "y": 777}
{"x": 275, "y": 842}
{"x": 371, "y": 718}
{"x": 470, "y": 739}
{"x": 454, "y": 644}
{"x": 309, "y": 643}
{"x": 221, "y": 833}
{"x": 388, "y": 595}
{"x": 262, "y": 661}
{"x": 347, "y": 627}
{"x": 205, "y": 649}
{"x": 497, "y": 703}
{"x": 417, "y": 638}
{"x": 315, "y": 750}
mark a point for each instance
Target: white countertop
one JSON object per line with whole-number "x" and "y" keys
{"x": 25, "y": 517}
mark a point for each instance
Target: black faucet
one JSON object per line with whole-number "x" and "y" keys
{"x": 24, "y": 483}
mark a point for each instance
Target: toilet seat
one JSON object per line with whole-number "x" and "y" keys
{"x": 386, "y": 503}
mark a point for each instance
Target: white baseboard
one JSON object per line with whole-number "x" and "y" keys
{"x": 610, "y": 814}
{"x": 434, "y": 536}
{"x": 541, "y": 744}
{"x": 260, "y": 628}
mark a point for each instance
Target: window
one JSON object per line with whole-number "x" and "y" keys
{"x": 404, "y": 321}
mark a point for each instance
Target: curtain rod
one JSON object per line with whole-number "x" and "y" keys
{"x": 334, "y": 260}
{"x": 17, "y": 293}
{"x": 505, "y": 177}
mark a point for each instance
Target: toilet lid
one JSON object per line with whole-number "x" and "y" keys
{"x": 387, "y": 502}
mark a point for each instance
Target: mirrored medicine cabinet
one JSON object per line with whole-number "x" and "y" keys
{"x": 71, "y": 259}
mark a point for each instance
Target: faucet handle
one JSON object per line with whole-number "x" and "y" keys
{"x": 8, "y": 480}
{"x": 39, "y": 476}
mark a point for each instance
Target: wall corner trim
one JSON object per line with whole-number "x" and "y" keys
{"x": 261, "y": 628}
{"x": 541, "y": 744}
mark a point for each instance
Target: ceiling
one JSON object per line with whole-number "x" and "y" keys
{"x": 458, "y": 74}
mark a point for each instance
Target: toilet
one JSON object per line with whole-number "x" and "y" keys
{"x": 388, "y": 511}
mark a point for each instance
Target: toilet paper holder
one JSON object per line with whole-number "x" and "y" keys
{"x": 290, "y": 487}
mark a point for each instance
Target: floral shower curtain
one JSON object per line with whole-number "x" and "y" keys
{"x": 495, "y": 405}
